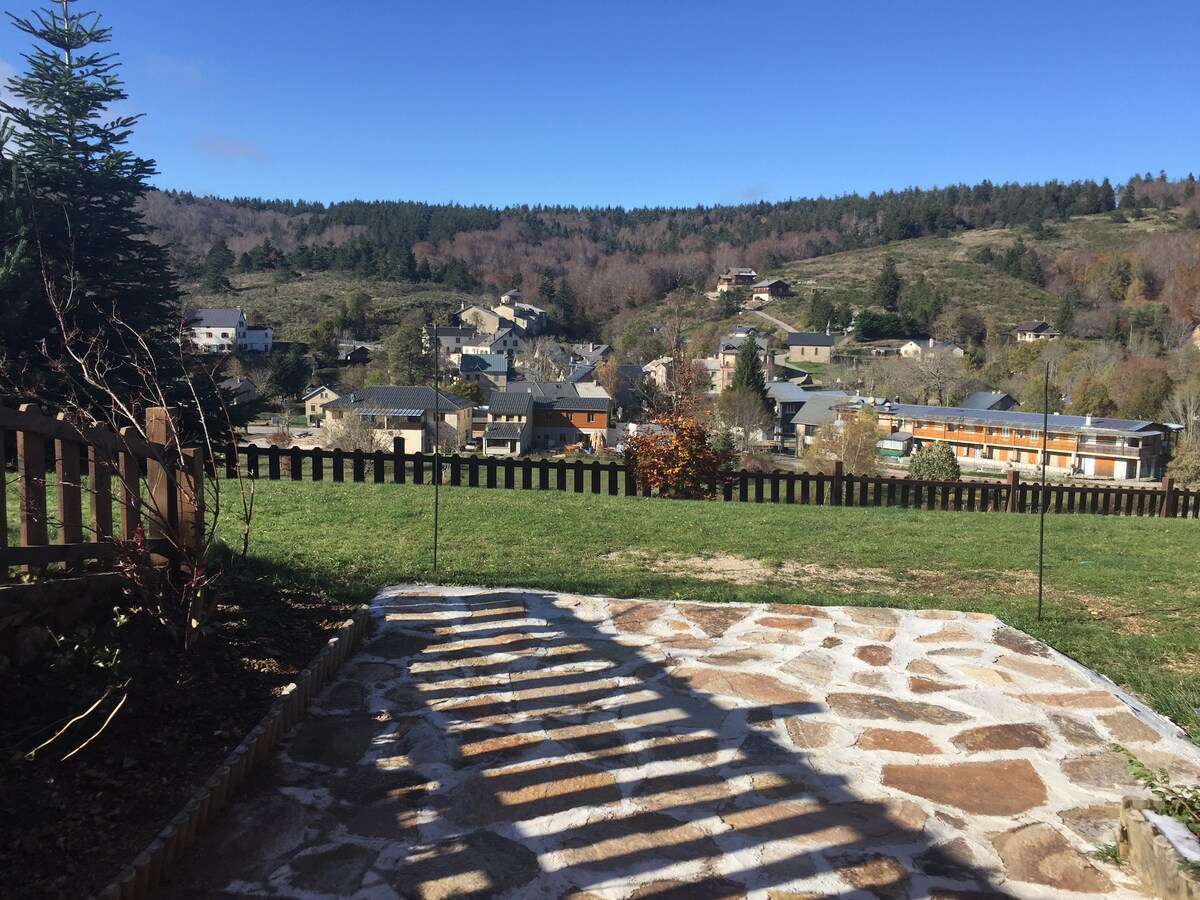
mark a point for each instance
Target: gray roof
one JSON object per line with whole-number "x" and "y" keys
{"x": 1016, "y": 419}
{"x": 397, "y": 400}
{"x": 787, "y": 392}
{"x": 445, "y": 331}
{"x": 733, "y": 342}
{"x": 767, "y": 282}
{"x": 487, "y": 363}
{"x": 984, "y": 400}
{"x": 553, "y": 395}
{"x": 582, "y": 372}
{"x": 736, "y": 271}
{"x": 820, "y": 408}
{"x": 1037, "y": 326}
{"x": 809, "y": 339}
{"x": 503, "y": 431}
{"x": 510, "y": 403}
{"x": 213, "y": 318}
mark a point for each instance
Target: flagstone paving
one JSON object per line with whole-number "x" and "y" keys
{"x": 509, "y": 743}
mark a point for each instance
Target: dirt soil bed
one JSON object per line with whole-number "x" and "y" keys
{"x": 69, "y": 826}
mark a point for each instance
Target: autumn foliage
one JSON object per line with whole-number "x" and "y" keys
{"x": 678, "y": 460}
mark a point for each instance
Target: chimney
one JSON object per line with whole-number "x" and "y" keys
{"x": 931, "y": 342}
{"x": 1087, "y": 420}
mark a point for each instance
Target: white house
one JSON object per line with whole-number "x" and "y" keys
{"x": 915, "y": 349}
{"x": 226, "y": 330}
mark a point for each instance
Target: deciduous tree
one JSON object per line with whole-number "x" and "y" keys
{"x": 935, "y": 462}
{"x": 677, "y": 461}
{"x": 851, "y": 441}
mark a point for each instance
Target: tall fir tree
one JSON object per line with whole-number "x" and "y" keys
{"x": 77, "y": 270}
{"x": 888, "y": 286}
{"x": 748, "y": 372}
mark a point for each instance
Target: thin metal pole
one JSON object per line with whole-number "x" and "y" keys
{"x": 1042, "y": 497}
{"x": 437, "y": 462}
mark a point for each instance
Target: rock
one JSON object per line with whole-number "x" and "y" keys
{"x": 1019, "y": 642}
{"x": 681, "y": 791}
{"x": 814, "y": 667}
{"x": 994, "y": 677}
{"x": 1072, "y": 700}
{"x": 396, "y": 645}
{"x": 874, "y": 654}
{"x": 373, "y": 673}
{"x": 880, "y": 706}
{"x": 919, "y": 685}
{"x": 744, "y": 685}
{"x": 478, "y": 864}
{"x": 633, "y": 617}
{"x": 925, "y": 667}
{"x": 738, "y": 657}
{"x": 896, "y": 741}
{"x": 1038, "y": 854}
{"x": 345, "y": 696}
{"x": 1000, "y": 737}
{"x": 531, "y": 791}
{"x": 787, "y": 623}
{"x": 830, "y": 642}
{"x": 1001, "y": 788}
{"x": 884, "y": 876}
{"x": 1096, "y": 824}
{"x": 953, "y": 860}
{"x": 706, "y": 887}
{"x": 335, "y": 741}
{"x": 629, "y": 844}
{"x": 864, "y": 615}
{"x": 335, "y": 870}
{"x": 948, "y": 635}
{"x": 795, "y": 609}
{"x": 1078, "y": 733}
{"x": 1125, "y": 727}
{"x": 773, "y": 636}
{"x": 875, "y": 680}
{"x": 1100, "y": 770}
{"x": 714, "y": 621}
{"x": 815, "y": 823}
{"x": 1055, "y": 673}
{"x": 807, "y": 734}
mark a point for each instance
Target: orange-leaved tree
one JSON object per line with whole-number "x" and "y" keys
{"x": 676, "y": 459}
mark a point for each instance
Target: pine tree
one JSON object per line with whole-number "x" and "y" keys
{"x": 217, "y": 263}
{"x": 77, "y": 266}
{"x": 748, "y": 372}
{"x": 888, "y": 286}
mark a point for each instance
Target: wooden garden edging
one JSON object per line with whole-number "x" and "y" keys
{"x": 168, "y": 849}
{"x": 807, "y": 488}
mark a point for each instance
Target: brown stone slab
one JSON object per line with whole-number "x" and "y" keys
{"x": 881, "y": 706}
{"x": 1053, "y": 672}
{"x": 1039, "y": 854}
{"x": 920, "y": 685}
{"x": 714, "y": 621}
{"x": 807, "y": 734}
{"x": 1001, "y": 788}
{"x": 874, "y": 654}
{"x": 1000, "y": 737}
{"x": 787, "y": 623}
{"x": 1019, "y": 642}
{"x": 814, "y": 823}
{"x": 1125, "y": 727}
{"x": 897, "y": 741}
{"x": 1072, "y": 700}
{"x": 951, "y": 634}
{"x": 865, "y": 615}
{"x": 744, "y": 685}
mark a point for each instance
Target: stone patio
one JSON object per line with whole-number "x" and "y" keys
{"x": 509, "y": 743}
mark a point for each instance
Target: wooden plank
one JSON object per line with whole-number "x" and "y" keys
{"x": 527, "y": 474}
{"x": 31, "y": 486}
{"x": 47, "y": 554}
{"x": 490, "y": 466}
{"x": 162, "y": 503}
{"x": 595, "y": 479}
{"x": 510, "y": 473}
{"x": 273, "y": 454}
{"x": 191, "y": 504}
{"x": 318, "y": 464}
{"x": 358, "y": 466}
{"x": 560, "y": 475}
{"x": 577, "y": 476}
{"x": 613, "y": 484}
{"x": 398, "y": 460}
{"x": 69, "y": 490}
{"x": 337, "y": 465}
{"x": 378, "y": 467}
{"x": 30, "y": 419}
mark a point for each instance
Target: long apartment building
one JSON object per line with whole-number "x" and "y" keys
{"x": 1092, "y": 446}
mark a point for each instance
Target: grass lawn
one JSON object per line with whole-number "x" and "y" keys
{"x": 1121, "y": 593}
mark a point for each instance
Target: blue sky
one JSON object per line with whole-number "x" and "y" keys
{"x": 647, "y": 103}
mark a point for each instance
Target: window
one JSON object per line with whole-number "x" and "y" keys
{"x": 591, "y": 417}
{"x": 1005, "y": 431}
{"x": 208, "y": 334}
{"x": 224, "y": 334}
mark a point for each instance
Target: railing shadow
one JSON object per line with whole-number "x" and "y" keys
{"x": 499, "y": 743}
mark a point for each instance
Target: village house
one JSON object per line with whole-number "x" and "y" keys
{"x": 916, "y": 348}
{"x": 727, "y": 351}
{"x": 526, "y": 317}
{"x": 771, "y": 289}
{"x": 505, "y": 342}
{"x": 215, "y": 330}
{"x": 997, "y": 440}
{"x": 314, "y": 400}
{"x": 481, "y": 318}
{"x": 810, "y": 346}
{"x": 989, "y": 400}
{"x": 414, "y": 413}
{"x": 1037, "y": 330}
{"x": 660, "y": 371}
{"x": 560, "y": 413}
{"x": 488, "y": 370}
{"x": 450, "y": 340}
{"x": 590, "y": 354}
{"x": 239, "y": 390}
{"x": 509, "y": 429}
{"x": 735, "y": 278}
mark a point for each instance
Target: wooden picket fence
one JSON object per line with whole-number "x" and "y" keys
{"x": 617, "y": 479}
{"x": 97, "y": 472}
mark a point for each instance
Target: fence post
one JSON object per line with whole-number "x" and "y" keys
{"x": 31, "y": 487}
{"x": 836, "y": 486}
{"x": 1014, "y": 481}
{"x": 398, "y": 460}
{"x": 1166, "y": 506}
{"x": 162, "y": 486}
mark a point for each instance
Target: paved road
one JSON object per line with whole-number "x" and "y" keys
{"x": 493, "y": 743}
{"x": 774, "y": 321}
